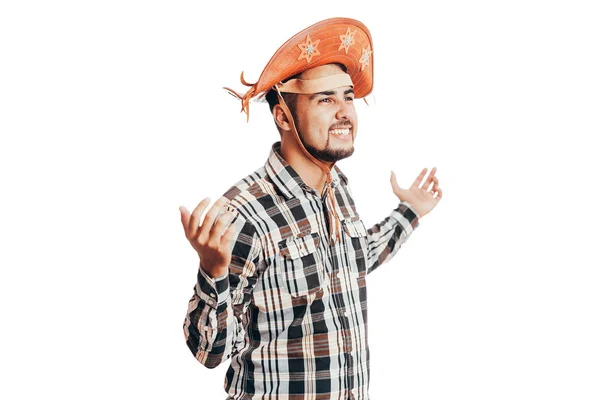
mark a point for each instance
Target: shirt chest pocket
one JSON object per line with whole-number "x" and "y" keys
{"x": 357, "y": 246}
{"x": 299, "y": 264}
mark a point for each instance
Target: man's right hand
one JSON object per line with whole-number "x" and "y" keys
{"x": 212, "y": 238}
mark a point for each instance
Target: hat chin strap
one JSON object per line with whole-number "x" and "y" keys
{"x": 334, "y": 222}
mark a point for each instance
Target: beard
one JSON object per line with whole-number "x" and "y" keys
{"x": 326, "y": 154}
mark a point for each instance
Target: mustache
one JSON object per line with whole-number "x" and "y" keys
{"x": 342, "y": 125}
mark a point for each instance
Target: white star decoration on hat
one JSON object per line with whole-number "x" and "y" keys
{"x": 364, "y": 59}
{"x": 347, "y": 40}
{"x": 309, "y": 49}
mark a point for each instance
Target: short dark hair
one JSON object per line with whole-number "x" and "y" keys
{"x": 289, "y": 98}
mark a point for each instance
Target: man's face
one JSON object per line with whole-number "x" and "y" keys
{"x": 326, "y": 121}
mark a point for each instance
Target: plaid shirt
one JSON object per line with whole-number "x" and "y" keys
{"x": 292, "y": 312}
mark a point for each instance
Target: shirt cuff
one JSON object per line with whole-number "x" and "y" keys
{"x": 213, "y": 291}
{"x": 406, "y": 215}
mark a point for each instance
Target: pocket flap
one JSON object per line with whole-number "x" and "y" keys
{"x": 354, "y": 227}
{"x": 296, "y": 247}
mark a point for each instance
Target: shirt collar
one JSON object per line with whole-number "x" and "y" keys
{"x": 287, "y": 180}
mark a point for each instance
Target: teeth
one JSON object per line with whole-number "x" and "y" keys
{"x": 340, "y": 131}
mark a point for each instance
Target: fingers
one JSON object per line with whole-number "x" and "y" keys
{"x": 435, "y": 190}
{"x": 429, "y": 179}
{"x": 209, "y": 219}
{"x": 419, "y": 179}
{"x": 228, "y": 237}
{"x": 427, "y": 183}
{"x": 185, "y": 218}
{"x": 434, "y": 185}
{"x": 194, "y": 219}
{"x": 219, "y": 227}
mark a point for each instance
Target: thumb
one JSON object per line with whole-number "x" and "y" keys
{"x": 398, "y": 191}
{"x": 394, "y": 182}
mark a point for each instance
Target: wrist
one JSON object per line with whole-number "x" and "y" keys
{"x": 215, "y": 273}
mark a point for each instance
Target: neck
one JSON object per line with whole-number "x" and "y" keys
{"x": 310, "y": 173}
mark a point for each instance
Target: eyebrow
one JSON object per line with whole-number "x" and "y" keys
{"x": 330, "y": 93}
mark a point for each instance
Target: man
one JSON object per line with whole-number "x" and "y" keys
{"x": 281, "y": 287}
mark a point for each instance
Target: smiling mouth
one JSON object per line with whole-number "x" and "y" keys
{"x": 340, "y": 132}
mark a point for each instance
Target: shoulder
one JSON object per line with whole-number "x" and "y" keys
{"x": 243, "y": 185}
{"x": 244, "y": 197}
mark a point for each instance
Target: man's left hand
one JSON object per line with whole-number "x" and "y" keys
{"x": 424, "y": 198}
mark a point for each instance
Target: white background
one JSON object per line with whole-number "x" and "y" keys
{"x": 112, "y": 115}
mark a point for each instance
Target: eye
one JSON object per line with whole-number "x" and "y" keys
{"x": 350, "y": 98}
{"x": 325, "y": 100}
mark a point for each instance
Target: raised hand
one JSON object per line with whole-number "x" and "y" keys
{"x": 211, "y": 239}
{"x": 422, "y": 198}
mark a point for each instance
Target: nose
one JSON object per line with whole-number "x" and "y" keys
{"x": 343, "y": 110}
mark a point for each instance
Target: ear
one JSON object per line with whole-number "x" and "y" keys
{"x": 280, "y": 118}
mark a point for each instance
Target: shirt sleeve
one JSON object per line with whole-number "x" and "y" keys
{"x": 215, "y": 322}
{"x": 386, "y": 237}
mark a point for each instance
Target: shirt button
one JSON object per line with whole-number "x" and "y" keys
{"x": 206, "y": 328}
{"x": 211, "y": 302}
{"x": 212, "y": 295}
